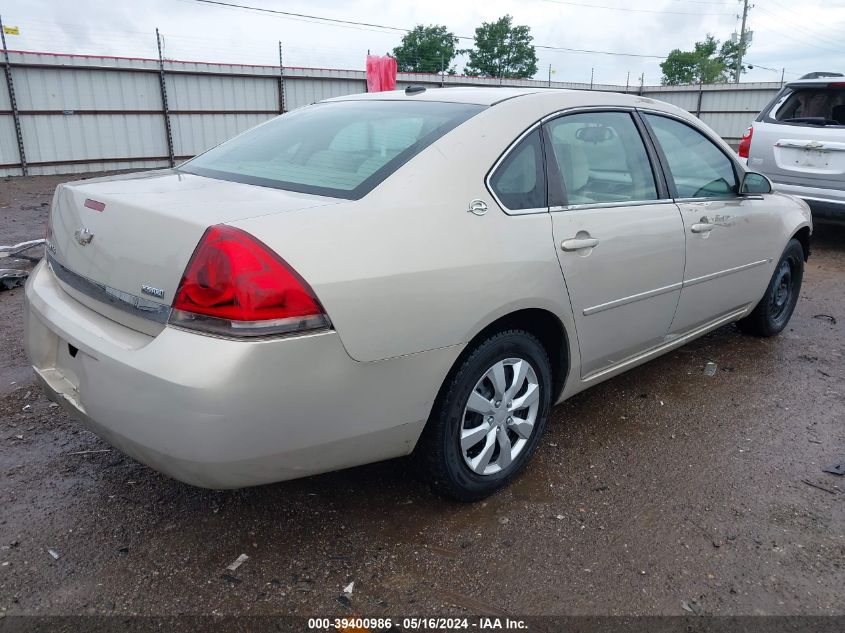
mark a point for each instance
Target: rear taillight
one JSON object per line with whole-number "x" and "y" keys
{"x": 236, "y": 286}
{"x": 745, "y": 143}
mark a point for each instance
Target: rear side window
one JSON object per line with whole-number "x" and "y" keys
{"x": 812, "y": 106}
{"x": 697, "y": 166}
{"x": 601, "y": 158}
{"x": 520, "y": 180}
{"x": 342, "y": 149}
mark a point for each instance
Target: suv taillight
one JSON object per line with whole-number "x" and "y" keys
{"x": 745, "y": 143}
{"x": 236, "y": 286}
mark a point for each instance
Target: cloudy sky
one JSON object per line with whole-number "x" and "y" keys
{"x": 799, "y": 37}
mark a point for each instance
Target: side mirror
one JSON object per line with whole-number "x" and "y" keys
{"x": 754, "y": 183}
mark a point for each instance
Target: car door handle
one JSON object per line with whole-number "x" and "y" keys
{"x": 579, "y": 243}
{"x": 702, "y": 227}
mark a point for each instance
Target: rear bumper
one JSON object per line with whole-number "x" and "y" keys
{"x": 225, "y": 414}
{"x": 825, "y": 203}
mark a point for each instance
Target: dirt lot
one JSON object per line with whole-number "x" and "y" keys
{"x": 662, "y": 491}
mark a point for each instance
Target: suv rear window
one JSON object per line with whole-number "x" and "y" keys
{"x": 812, "y": 106}
{"x": 341, "y": 149}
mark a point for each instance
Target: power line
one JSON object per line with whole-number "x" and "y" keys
{"x": 802, "y": 30}
{"x": 369, "y": 25}
{"x": 629, "y": 10}
{"x": 801, "y": 16}
{"x": 722, "y": 4}
{"x": 827, "y": 43}
{"x": 594, "y": 52}
{"x": 302, "y": 15}
{"x": 792, "y": 37}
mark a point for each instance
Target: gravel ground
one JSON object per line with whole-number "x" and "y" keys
{"x": 662, "y": 491}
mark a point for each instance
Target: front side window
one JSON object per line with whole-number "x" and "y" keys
{"x": 519, "y": 182}
{"x": 341, "y": 149}
{"x": 601, "y": 158}
{"x": 698, "y": 168}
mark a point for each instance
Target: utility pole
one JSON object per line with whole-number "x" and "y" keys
{"x": 550, "y": 75}
{"x": 738, "y": 69}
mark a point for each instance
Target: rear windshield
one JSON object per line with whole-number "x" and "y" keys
{"x": 341, "y": 149}
{"x": 812, "y": 106}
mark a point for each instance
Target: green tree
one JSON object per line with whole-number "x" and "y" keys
{"x": 706, "y": 63}
{"x": 729, "y": 55}
{"x": 502, "y": 50}
{"x": 426, "y": 49}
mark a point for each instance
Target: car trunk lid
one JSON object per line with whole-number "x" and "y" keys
{"x": 784, "y": 152}
{"x": 121, "y": 244}
{"x": 812, "y": 157}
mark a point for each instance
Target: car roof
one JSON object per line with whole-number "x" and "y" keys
{"x": 816, "y": 81}
{"x": 820, "y": 74}
{"x": 458, "y": 94}
{"x": 491, "y": 96}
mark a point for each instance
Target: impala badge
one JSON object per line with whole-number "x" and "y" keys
{"x": 83, "y": 236}
{"x": 155, "y": 292}
{"x": 477, "y": 207}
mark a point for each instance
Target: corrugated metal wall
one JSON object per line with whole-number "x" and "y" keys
{"x": 83, "y": 113}
{"x": 727, "y": 108}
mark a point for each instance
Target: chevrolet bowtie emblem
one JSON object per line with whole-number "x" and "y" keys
{"x": 83, "y": 236}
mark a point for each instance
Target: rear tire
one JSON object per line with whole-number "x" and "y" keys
{"x": 489, "y": 418}
{"x": 774, "y": 310}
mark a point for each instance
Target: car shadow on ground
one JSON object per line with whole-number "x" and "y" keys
{"x": 642, "y": 391}
{"x": 660, "y": 485}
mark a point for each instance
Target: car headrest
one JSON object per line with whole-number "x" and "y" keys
{"x": 573, "y": 164}
{"x": 838, "y": 113}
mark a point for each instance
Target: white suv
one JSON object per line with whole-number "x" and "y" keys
{"x": 798, "y": 141}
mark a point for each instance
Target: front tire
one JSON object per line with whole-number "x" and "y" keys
{"x": 489, "y": 418}
{"x": 774, "y": 310}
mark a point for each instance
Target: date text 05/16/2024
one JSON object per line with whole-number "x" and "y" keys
{"x": 417, "y": 624}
